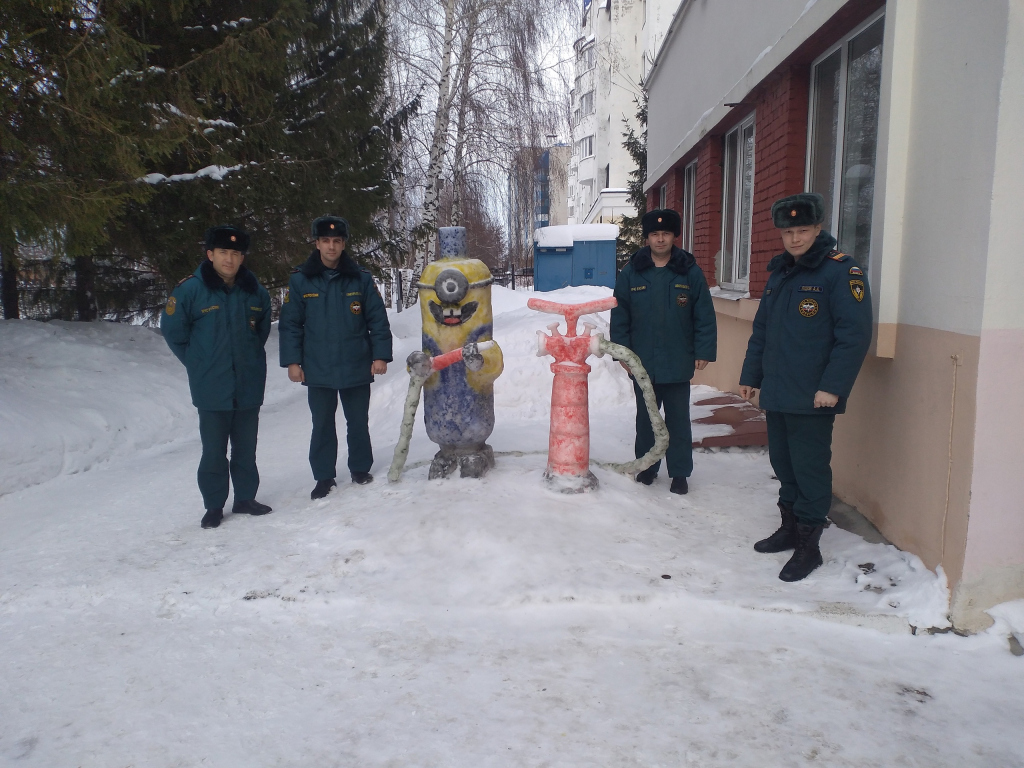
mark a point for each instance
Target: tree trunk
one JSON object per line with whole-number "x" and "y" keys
{"x": 458, "y": 177}
{"x": 85, "y": 288}
{"x": 9, "y": 284}
{"x": 426, "y": 241}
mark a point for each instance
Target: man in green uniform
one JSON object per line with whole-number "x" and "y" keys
{"x": 666, "y": 316}
{"x": 216, "y": 322}
{"x": 335, "y": 337}
{"x": 811, "y": 333}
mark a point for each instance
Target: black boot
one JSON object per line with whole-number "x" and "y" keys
{"x": 212, "y": 518}
{"x": 807, "y": 556}
{"x": 250, "y": 507}
{"x": 782, "y": 539}
{"x": 647, "y": 476}
{"x": 323, "y": 487}
{"x": 679, "y": 485}
{"x": 362, "y": 478}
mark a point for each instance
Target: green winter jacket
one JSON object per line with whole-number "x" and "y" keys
{"x": 665, "y": 315}
{"x": 334, "y": 326}
{"x": 811, "y": 331}
{"x": 219, "y": 333}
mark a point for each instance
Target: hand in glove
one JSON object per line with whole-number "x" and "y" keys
{"x": 419, "y": 364}
{"x": 472, "y": 357}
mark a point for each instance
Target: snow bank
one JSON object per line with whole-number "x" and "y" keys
{"x": 77, "y": 395}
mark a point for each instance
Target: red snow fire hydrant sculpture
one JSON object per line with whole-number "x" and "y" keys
{"x": 569, "y": 441}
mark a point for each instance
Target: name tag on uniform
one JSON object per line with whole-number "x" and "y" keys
{"x": 638, "y": 288}
{"x": 811, "y": 289}
{"x": 210, "y": 309}
{"x": 681, "y": 285}
{"x": 256, "y": 309}
{"x": 354, "y": 293}
{"x": 310, "y": 295}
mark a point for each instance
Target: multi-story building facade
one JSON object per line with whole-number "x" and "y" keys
{"x": 908, "y": 117}
{"x": 609, "y": 66}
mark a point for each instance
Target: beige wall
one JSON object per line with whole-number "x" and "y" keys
{"x": 891, "y": 451}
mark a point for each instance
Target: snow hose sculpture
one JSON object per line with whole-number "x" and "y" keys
{"x": 568, "y": 468}
{"x": 458, "y": 364}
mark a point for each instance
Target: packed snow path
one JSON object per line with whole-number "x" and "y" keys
{"x": 445, "y": 623}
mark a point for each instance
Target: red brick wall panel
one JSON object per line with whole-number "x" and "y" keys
{"x": 779, "y": 152}
{"x": 707, "y": 214}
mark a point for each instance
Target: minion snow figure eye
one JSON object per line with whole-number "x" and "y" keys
{"x": 458, "y": 401}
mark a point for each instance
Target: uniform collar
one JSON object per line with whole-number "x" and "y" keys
{"x": 823, "y": 246}
{"x": 315, "y": 266}
{"x": 245, "y": 279}
{"x": 679, "y": 262}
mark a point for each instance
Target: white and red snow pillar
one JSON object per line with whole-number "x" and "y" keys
{"x": 568, "y": 467}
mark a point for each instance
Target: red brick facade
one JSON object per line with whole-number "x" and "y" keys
{"x": 780, "y": 146}
{"x": 780, "y": 143}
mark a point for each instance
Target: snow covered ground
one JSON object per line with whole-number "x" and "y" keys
{"x": 441, "y": 623}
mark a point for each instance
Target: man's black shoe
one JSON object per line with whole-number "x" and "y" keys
{"x": 250, "y": 507}
{"x": 323, "y": 487}
{"x": 362, "y": 478}
{"x": 679, "y": 485}
{"x": 212, "y": 518}
{"x": 784, "y": 538}
{"x": 807, "y": 556}
{"x": 647, "y": 476}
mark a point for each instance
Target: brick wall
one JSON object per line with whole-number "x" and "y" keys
{"x": 707, "y": 213}
{"x": 780, "y": 146}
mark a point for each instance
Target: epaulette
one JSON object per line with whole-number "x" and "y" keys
{"x": 184, "y": 279}
{"x": 838, "y": 256}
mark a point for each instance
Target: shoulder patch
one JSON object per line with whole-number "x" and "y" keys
{"x": 185, "y": 279}
{"x": 857, "y": 289}
{"x": 856, "y": 271}
{"x": 838, "y": 256}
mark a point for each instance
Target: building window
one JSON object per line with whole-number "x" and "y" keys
{"x": 843, "y": 135}
{"x": 587, "y": 104}
{"x": 586, "y": 146}
{"x": 689, "y": 197}
{"x": 737, "y": 205}
{"x": 663, "y": 196}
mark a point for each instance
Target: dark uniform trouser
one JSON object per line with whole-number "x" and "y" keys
{"x": 800, "y": 449}
{"x": 323, "y": 444}
{"x": 216, "y": 429}
{"x": 676, "y": 399}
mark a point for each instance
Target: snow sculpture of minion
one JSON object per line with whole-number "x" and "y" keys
{"x": 458, "y": 401}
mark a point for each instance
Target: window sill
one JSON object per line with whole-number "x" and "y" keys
{"x": 733, "y": 304}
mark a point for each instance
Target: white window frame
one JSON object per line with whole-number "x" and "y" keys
{"x": 689, "y": 201}
{"x": 586, "y": 145}
{"x": 738, "y": 258}
{"x": 587, "y": 102}
{"x": 843, "y": 46}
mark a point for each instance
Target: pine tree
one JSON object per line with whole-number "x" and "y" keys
{"x": 304, "y": 133}
{"x": 73, "y": 132}
{"x": 630, "y": 228}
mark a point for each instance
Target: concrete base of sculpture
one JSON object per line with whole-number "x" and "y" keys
{"x": 475, "y": 461}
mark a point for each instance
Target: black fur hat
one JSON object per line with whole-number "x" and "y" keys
{"x": 804, "y": 210}
{"x": 329, "y": 226}
{"x": 226, "y": 236}
{"x": 662, "y": 220}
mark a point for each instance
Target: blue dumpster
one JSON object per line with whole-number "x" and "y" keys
{"x": 574, "y": 254}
